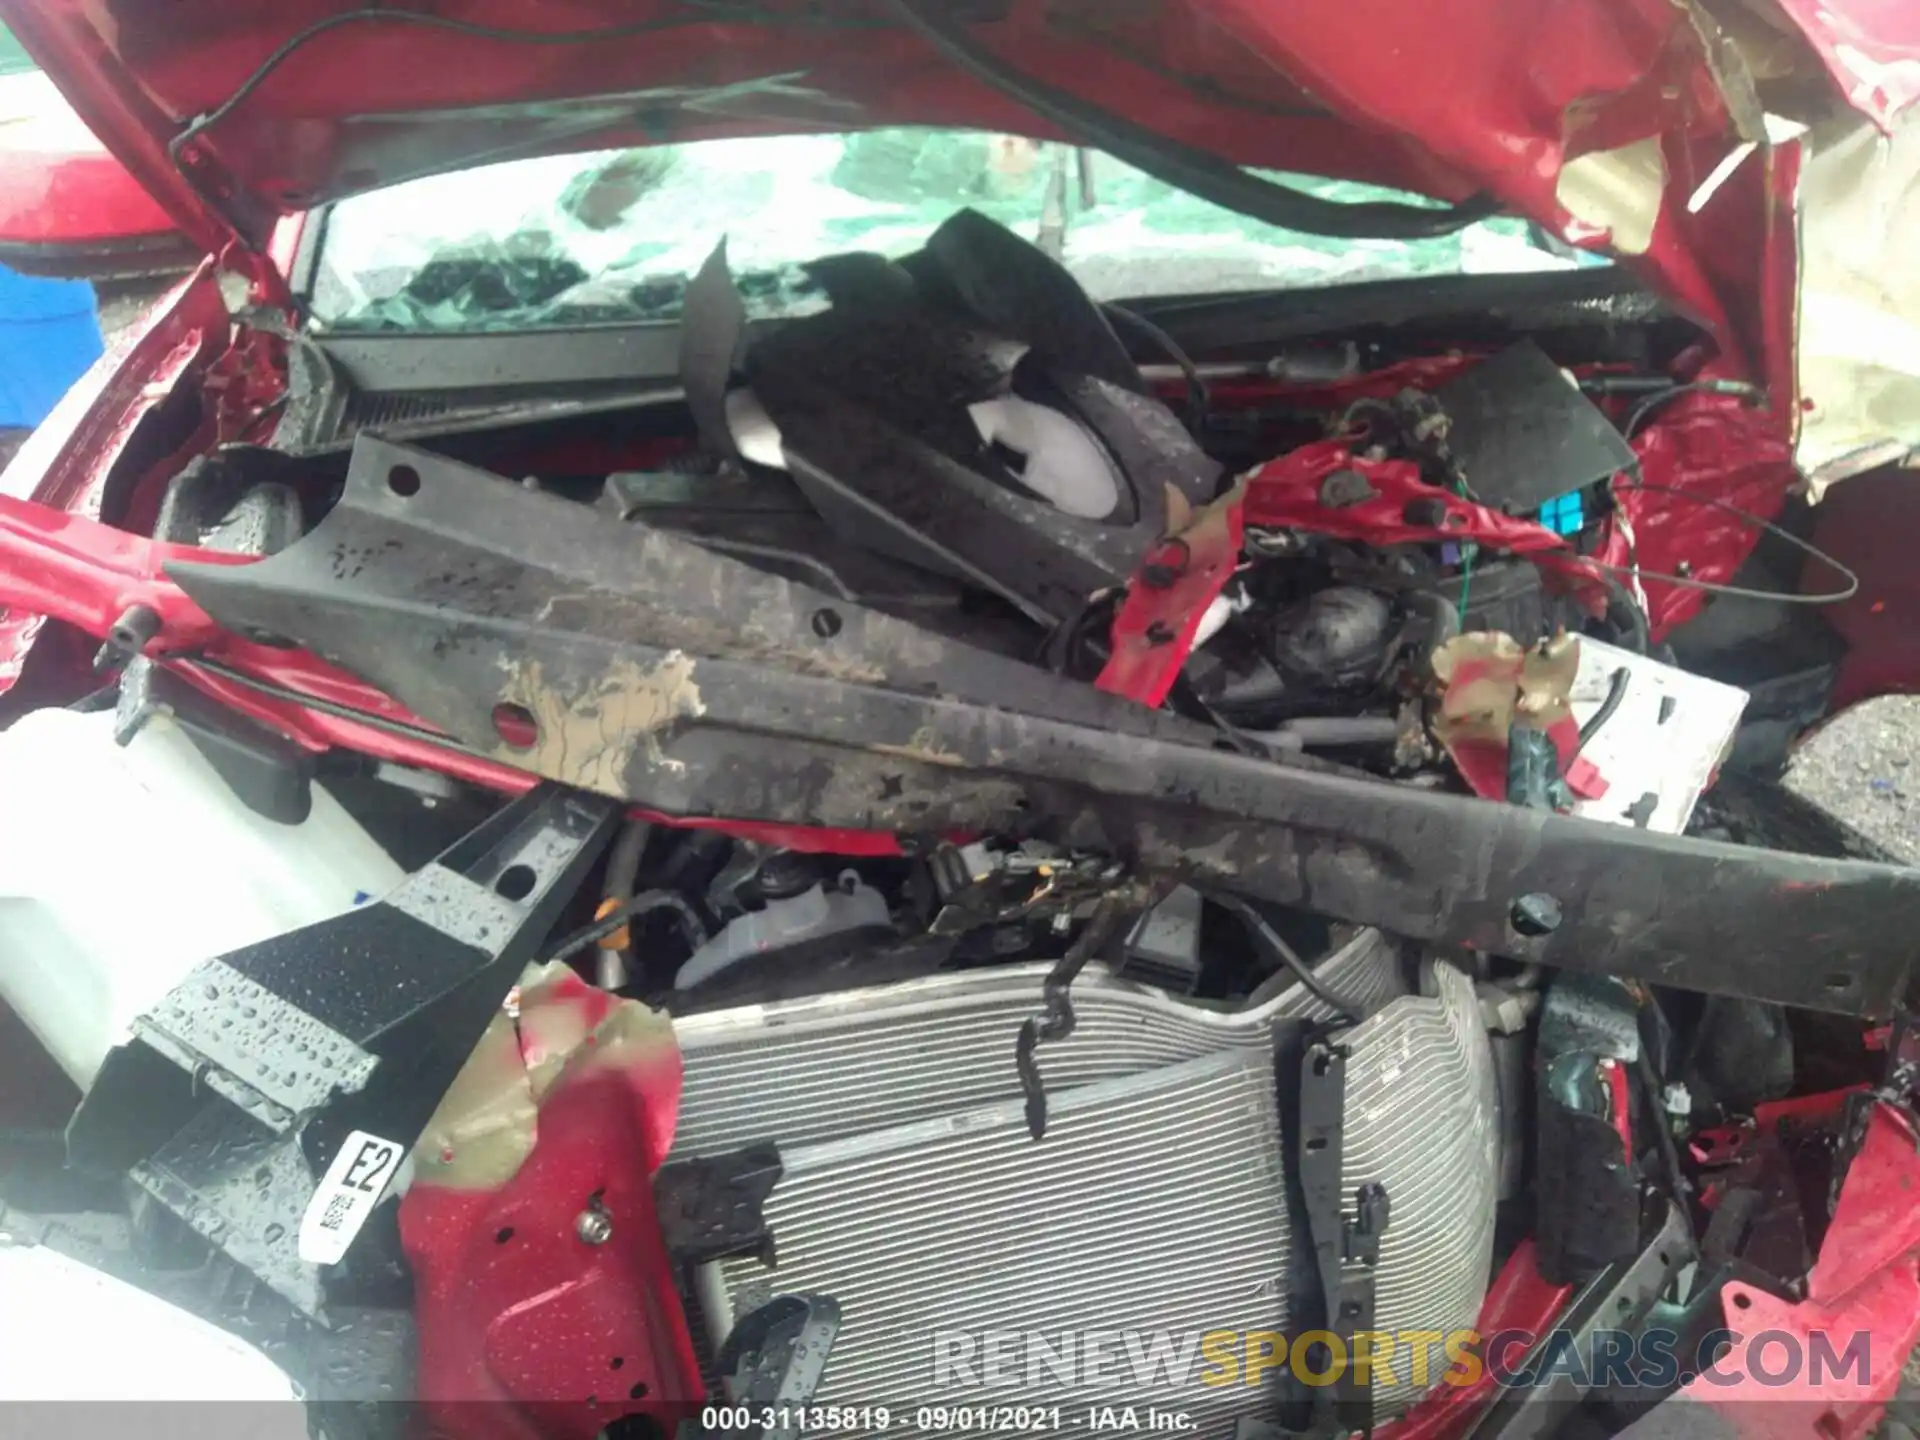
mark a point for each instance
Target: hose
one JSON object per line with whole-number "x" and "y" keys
{"x": 1627, "y": 618}
{"x": 645, "y": 903}
{"x": 1198, "y": 396}
{"x": 1272, "y": 942}
{"x": 623, "y": 872}
{"x": 1616, "y": 692}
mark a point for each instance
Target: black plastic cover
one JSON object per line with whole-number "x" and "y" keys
{"x": 1522, "y": 433}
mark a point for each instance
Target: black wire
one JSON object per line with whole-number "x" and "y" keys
{"x": 1058, "y": 650}
{"x": 1638, "y": 416}
{"x": 647, "y": 901}
{"x": 1650, "y": 1088}
{"x": 1202, "y": 85}
{"x": 1616, "y": 692}
{"x": 329, "y": 707}
{"x": 752, "y": 14}
{"x": 1741, "y": 592}
{"x": 1199, "y": 398}
{"x": 286, "y": 48}
{"x": 1271, "y": 940}
{"x": 1628, "y": 619}
{"x": 1196, "y": 171}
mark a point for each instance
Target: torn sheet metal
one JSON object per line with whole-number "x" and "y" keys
{"x": 1489, "y": 683}
{"x": 554, "y": 1028}
{"x": 1859, "y": 321}
{"x": 1394, "y": 506}
{"x": 1870, "y": 47}
{"x": 1159, "y": 622}
{"x": 538, "y": 1261}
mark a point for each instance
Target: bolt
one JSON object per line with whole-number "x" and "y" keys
{"x": 1341, "y": 488}
{"x": 1166, "y": 563}
{"x": 1535, "y": 915}
{"x": 128, "y": 636}
{"x": 594, "y": 1227}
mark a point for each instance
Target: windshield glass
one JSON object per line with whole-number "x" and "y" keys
{"x": 614, "y": 236}
{"x": 13, "y": 59}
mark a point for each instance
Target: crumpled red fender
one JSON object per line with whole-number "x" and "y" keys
{"x": 528, "y": 1330}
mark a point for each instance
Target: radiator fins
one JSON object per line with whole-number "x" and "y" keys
{"x": 1156, "y": 1203}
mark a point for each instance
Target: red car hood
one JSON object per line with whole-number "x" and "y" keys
{"x": 233, "y": 114}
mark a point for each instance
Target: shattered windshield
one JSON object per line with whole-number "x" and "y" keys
{"x": 615, "y": 236}
{"x": 14, "y": 59}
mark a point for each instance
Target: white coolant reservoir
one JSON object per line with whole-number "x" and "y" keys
{"x": 62, "y": 1319}
{"x": 123, "y": 867}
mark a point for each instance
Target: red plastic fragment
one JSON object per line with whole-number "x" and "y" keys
{"x": 1403, "y": 508}
{"x": 526, "y": 1330}
{"x": 1483, "y": 764}
{"x": 1183, "y": 575}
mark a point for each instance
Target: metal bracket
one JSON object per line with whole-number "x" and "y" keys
{"x": 1360, "y": 1236}
{"x": 1345, "y": 1251}
{"x": 240, "y": 1086}
{"x": 1619, "y": 1298}
{"x": 634, "y": 663}
{"x": 1317, "y": 1155}
{"x": 711, "y": 1207}
{"x": 774, "y": 1360}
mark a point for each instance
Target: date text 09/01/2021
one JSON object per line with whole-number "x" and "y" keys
{"x": 935, "y": 1419}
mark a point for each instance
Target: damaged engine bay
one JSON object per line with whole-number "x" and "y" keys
{"x": 946, "y": 826}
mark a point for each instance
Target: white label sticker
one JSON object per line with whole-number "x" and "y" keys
{"x": 348, "y": 1192}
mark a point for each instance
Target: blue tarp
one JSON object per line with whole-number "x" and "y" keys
{"x": 49, "y": 336}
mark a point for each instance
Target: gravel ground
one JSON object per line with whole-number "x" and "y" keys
{"x": 1860, "y": 768}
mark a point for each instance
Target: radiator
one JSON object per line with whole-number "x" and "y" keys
{"x": 914, "y": 1195}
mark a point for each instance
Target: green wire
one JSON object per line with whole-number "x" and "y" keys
{"x": 1467, "y": 552}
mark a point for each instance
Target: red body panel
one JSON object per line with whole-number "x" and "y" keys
{"x": 527, "y": 1331}
{"x": 1446, "y": 97}
{"x": 1866, "y": 1281}
{"x": 66, "y": 199}
{"x": 67, "y": 206}
{"x": 1871, "y": 47}
{"x": 1519, "y": 1302}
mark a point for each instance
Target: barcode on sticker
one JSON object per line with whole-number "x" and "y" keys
{"x": 346, "y": 1195}
{"x": 338, "y": 1209}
